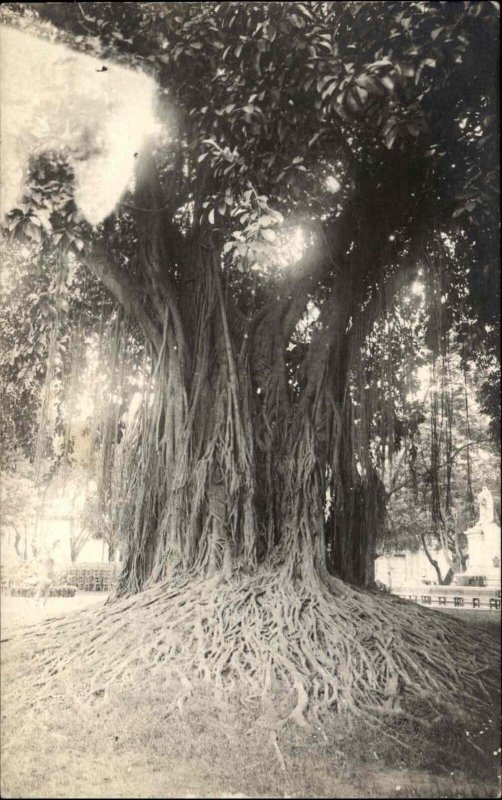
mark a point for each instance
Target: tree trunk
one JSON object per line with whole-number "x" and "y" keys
{"x": 231, "y": 469}
{"x": 17, "y": 541}
{"x": 442, "y": 581}
{"x": 354, "y": 523}
{"x": 75, "y": 546}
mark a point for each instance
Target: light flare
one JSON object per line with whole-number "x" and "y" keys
{"x": 98, "y": 113}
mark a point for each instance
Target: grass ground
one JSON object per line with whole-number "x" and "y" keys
{"x": 128, "y": 745}
{"x": 490, "y": 620}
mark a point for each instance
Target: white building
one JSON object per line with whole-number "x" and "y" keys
{"x": 409, "y": 569}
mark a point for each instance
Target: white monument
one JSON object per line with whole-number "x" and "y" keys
{"x": 484, "y": 542}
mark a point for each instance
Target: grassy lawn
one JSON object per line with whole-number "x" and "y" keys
{"x": 128, "y": 746}
{"x": 129, "y": 743}
{"x": 490, "y": 620}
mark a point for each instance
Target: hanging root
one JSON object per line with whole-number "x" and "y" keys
{"x": 351, "y": 651}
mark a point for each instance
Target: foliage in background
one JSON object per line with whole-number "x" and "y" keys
{"x": 434, "y": 480}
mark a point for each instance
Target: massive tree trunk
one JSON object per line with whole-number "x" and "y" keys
{"x": 229, "y": 449}
{"x": 232, "y": 465}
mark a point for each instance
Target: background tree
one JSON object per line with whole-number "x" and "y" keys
{"x": 438, "y": 472}
{"x": 18, "y": 512}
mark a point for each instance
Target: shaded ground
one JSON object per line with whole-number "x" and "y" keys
{"x": 489, "y": 620}
{"x": 127, "y": 745}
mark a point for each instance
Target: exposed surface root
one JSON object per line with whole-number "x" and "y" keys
{"x": 359, "y": 652}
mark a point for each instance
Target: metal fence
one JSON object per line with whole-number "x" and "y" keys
{"x": 487, "y": 603}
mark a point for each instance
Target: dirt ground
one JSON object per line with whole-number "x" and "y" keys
{"x": 28, "y": 610}
{"x": 126, "y": 745}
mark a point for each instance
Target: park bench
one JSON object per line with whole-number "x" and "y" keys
{"x": 489, "y": 600}
{"x": 88, "y": 577}
{"x": 22, "y": 590}
{"x": 28, "y": 588}
{"x": 62, "y": 590}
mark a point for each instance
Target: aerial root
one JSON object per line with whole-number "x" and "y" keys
{"x": 277, "y": 750}
{"x": 364, "y": 653}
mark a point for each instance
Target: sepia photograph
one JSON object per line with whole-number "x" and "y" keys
{"x": 250, "y": 445}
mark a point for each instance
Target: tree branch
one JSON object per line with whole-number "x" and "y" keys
{"x": 428, "y": 472}
{"x": 123, "y": 289}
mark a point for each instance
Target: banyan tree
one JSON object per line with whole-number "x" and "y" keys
{"x": 310, "y": 161}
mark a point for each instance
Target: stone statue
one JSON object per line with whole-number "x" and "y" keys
{"x": 485, "y": 501}
{"x": 484, "y": 541}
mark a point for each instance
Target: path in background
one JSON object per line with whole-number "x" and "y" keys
{"x": 29, "y": 610}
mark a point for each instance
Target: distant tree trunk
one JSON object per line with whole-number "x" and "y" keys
{"x": 17, "y": 540}
{"x": 77, "y": 541}
{"x": 111, "y": 551}
{"x": 442, "y": 580}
